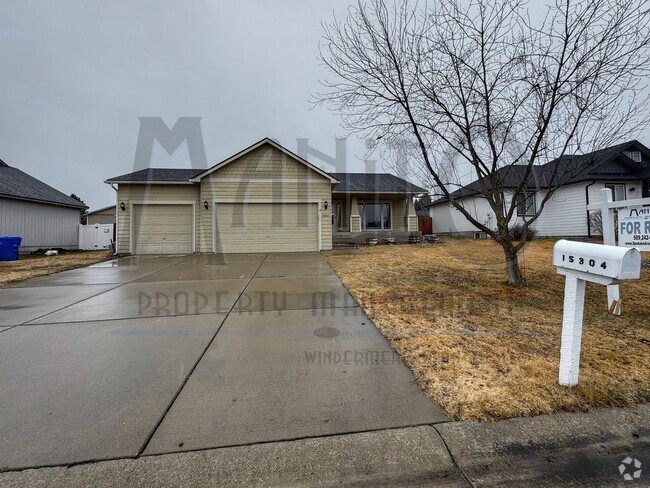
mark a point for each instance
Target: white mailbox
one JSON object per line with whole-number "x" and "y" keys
{"x": 580, "y": 262}
{"x": 597, "y": 262}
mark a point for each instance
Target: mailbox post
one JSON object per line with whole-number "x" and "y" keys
{"x": 580, "y": 262}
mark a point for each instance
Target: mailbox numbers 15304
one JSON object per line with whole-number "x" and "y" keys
{"x": 592, "y": 263}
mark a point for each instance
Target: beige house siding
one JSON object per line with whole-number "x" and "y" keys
{"x": 130, "y": 194}
{"x": 264, "y": 175}
{"x": 399, "y": 214}
{"x": 103, "y": 217}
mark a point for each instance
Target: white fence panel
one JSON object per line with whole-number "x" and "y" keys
{"x": 95, "y": 236}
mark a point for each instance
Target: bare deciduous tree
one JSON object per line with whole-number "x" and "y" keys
{"x": 486, "y": 85}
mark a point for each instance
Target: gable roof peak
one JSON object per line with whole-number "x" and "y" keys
{"x": 252, "y": 147}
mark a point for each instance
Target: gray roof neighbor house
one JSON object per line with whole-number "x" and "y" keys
{"x": 43, "y": 216}
{"x": 17, "y": 184}
{"x": 610, "y": 164}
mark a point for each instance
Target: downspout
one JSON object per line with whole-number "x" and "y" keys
{"x": 587, "y": 198}
{"x": 116, "y": 217}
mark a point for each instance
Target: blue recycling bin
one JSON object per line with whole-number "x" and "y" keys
{"x": 9, "y": 248}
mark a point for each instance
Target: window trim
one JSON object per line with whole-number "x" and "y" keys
{"x": 527, "y": 194}
{"x": 371, "y": 202}
{"x": 634, "y": 156}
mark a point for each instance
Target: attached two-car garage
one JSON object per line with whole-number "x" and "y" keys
{"x": 238, "y": 228}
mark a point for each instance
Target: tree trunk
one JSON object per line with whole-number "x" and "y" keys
{"x": 512, "y": 263}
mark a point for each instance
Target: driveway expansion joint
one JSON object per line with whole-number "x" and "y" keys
{"x": 451, "y": 454}
{"x": 189, "y": 374}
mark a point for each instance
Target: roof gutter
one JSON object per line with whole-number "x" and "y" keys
{"x": 125, "y": 182}
{"x": 81, "y": 206}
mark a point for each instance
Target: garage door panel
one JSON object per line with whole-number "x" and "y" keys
{"x": 163, "y": 229}
{"x": 266, "y": 227}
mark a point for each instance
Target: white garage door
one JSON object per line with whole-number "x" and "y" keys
{"x": 162, "y": 229}
{"x": 266, "y": 227}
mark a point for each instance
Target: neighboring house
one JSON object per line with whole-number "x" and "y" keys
{"x": 625, "y": 168}
{"x": 42, "y": 216}
{"x": 263, "y": 199}
{"x": 104, "y": 215}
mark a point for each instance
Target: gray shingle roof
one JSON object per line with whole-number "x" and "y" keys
{"x": 609, "y": 164}
{"x": 158, "y": 175}
{"x": 16, "y": 184}
{"x": 349, "y": 182}
{"x": 374, "y": 183}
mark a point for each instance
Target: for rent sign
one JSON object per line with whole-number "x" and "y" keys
{"x": 634, "y": 227}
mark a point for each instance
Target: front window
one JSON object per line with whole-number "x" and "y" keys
{"x": 526, "y": 204}
{"x": 375, "y": 216}
{"x": 618, "y": 191}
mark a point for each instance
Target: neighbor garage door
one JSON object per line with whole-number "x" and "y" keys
{"x": 163, "y": 229}
{"x": 266, "y": 227}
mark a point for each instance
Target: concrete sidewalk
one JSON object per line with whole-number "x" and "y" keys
{"x": 567, "y": 449}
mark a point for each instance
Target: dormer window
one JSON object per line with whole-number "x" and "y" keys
{"x": 633, "y": 155}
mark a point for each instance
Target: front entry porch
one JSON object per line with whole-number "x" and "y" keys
{"x": 359, "y": 216}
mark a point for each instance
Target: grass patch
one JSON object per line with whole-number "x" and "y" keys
{"x": 31, "y": 266}
{"x": 485, "y": 350}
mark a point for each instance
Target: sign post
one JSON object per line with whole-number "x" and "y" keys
{"x": 609, "y": 239}
{"x": 607, "y": 207}
{"x": 580, "y": 262}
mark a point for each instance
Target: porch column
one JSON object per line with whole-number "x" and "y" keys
{"x": 355, "y": 218}
{"x": 411, "y": 215}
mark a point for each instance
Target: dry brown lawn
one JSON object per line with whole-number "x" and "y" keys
{"x": 485, "y": 350}
{"x": 32, "y": 266}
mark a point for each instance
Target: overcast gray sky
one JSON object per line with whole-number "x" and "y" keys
{"x": 77, "y": 74}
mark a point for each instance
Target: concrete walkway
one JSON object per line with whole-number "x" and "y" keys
{"x": 153, "y": 355}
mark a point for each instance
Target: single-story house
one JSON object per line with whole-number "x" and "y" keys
{"x": 43, "y": 216}
{"x": 104, "y": 215}
{"x": 625, "y": 168}
{"x": 263, "y": 199}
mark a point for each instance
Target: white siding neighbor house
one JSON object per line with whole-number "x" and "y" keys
{"x": 43, "y": 216}
{"x": 262, "y": 199}
{"x": 625, "y": 168}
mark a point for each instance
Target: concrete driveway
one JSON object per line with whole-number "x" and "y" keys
{"x": 159, "y": 354}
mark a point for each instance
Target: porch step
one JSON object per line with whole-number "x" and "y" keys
{"x": 343, "y": 243}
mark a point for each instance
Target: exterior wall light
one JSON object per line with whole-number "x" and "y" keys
{"x": 122, "y": 206}
{"x": 206, "y": 205}
{"x": 326, "y": 204}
